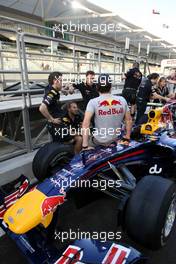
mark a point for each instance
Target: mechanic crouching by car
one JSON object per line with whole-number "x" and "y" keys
{"x": 70, "y": 128}
{"x": 109, "y": 111}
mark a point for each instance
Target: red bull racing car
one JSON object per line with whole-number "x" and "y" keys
{"x": 141, "y": 176}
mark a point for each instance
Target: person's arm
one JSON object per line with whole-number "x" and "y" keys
{"x": 47, "y": 101}
{"x": 140, "y": 79}
{"x": 160, "y": 97}
{"x": 44, "y": 111}
{"x": 128, "y": 124}
{"x": 171, "y": 95}
{"x": 68, "y": 88}
{"x": 123, "y": 76}
{"x": 90, "y": 110}
{"x": 129, "y": 73}
{"x": 86, "y": 129}
{"x": 171, "y": 81}
{"x": 65, "y": 90}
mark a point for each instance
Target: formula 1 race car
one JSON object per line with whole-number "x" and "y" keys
{"x": 141, "y": 176}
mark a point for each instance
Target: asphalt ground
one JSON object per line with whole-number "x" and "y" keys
{"x": 99, "y": 215}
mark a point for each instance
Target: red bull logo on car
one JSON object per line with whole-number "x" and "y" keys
{"x": 111, "y": 111}
{"x": 50, "y": 203}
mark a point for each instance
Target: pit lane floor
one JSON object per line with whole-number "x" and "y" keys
{"x": 99, "y": 215}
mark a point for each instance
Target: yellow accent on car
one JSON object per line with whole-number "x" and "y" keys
{"x": 26, "y": 213}
{"x": 154, "y": 122}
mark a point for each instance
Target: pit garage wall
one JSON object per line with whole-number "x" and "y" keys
{"x": 13, "y": 168}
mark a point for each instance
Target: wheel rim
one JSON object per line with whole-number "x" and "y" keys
{"x": 170, "y": 217}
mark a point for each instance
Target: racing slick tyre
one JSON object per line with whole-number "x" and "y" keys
{"x": 49, "y": 157}
{"x": 151, "y": 211}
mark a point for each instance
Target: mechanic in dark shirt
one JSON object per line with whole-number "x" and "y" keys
{"x": 132, "y": 81}
{"x": 144, "y": 94}
{"x": 69, "y": 130}
{"x": 50, "y": 107}
{"x": 163, "y": 90}
{"x": 72, "y": 116}
{"x": 87, "y": 89}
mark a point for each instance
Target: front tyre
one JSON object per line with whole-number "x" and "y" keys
{"x": 151, "y": 211}
{"x": 49, "y": 157}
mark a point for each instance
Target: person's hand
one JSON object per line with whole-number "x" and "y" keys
{"x": 87, "y": 148}
{"x": 172, "y": 96}
{"x": 68, "y": 89}
{"x": 167, "y": 99}
{"x": 65, "y": 89}
{"x": 56, "y": 121}
{"x": 124, "y": 141}
{"x": 71, "y": 89}
{"x": 65, "y": 92}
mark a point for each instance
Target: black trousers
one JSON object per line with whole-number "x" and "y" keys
{"x": 141, "y": 107}
{"x": 130, "y": 95}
